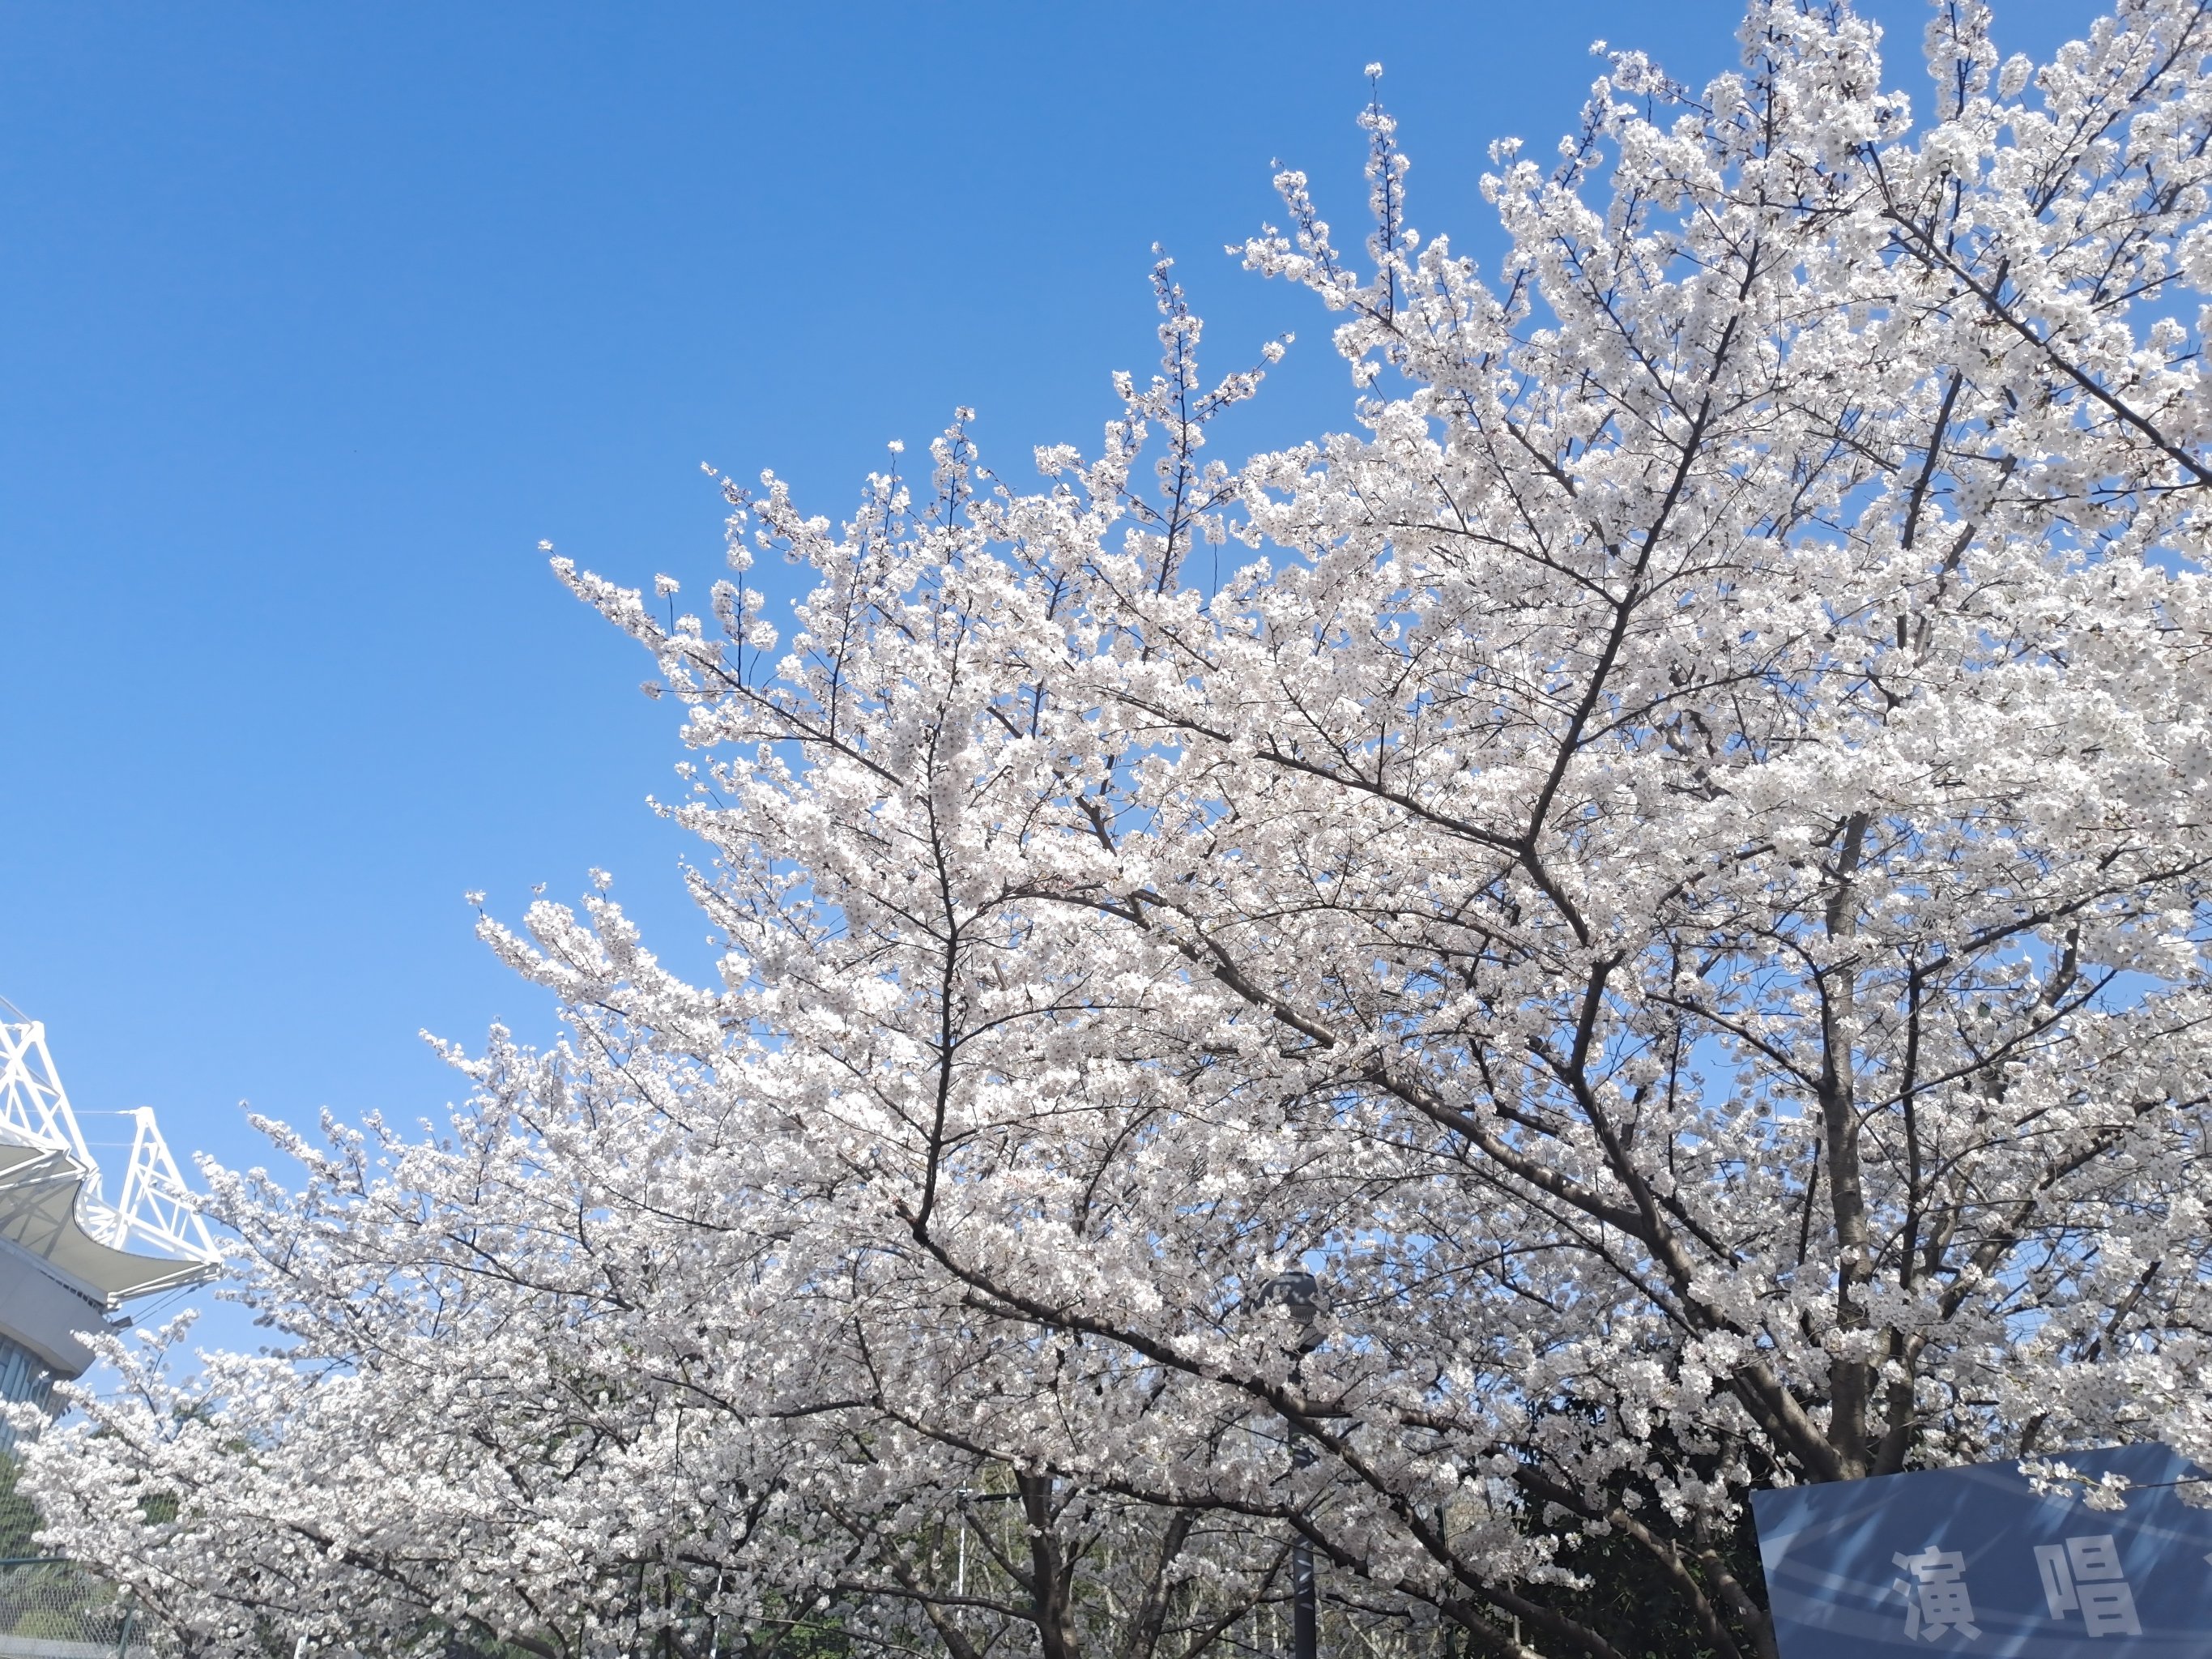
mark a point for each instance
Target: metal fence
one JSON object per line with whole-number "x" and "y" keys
{"x": 55, "y": 1609}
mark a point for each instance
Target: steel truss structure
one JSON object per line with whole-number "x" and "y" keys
{"x": 69, "y": 1256}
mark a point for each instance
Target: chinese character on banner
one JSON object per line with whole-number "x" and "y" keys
{"x": 2085, "y": 1573}
{"x": 1937, "y": 1602}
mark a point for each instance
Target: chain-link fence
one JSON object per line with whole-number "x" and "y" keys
{"x": 51, "y": 1609}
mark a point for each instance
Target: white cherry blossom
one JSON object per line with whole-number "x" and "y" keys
{"x": 1672, "y": 877}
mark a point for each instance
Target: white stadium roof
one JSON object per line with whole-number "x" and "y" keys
{"x": 149, "y": 1238}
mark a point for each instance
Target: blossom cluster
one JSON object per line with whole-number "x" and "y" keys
{"x": 1671, "y": 877}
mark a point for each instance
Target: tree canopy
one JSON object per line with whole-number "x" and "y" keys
{"x": 1668, "y": 869}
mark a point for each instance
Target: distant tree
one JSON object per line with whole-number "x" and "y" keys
{"x": 19, "y": 1517}
{"x": 1672, "y": 876}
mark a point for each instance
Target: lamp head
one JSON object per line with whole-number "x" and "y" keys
{"x": 1298, "y": 1295}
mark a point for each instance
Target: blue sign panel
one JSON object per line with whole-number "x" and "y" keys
{"x": 1976, "y": 1561}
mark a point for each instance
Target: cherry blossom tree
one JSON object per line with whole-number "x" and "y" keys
{"x": 1668, "y": 871}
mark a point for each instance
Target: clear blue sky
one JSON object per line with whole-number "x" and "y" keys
{"x": 315, "y": 318}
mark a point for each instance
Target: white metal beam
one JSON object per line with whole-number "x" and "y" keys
{"x": 51, "y": 1203}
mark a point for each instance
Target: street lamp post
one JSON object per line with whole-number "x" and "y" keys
{"x": 1298, "y": 1295}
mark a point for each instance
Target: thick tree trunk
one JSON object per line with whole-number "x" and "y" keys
{"x": 1052, "y": 1575}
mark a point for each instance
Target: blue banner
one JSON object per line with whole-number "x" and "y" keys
{"x": 1974, "y": 1560}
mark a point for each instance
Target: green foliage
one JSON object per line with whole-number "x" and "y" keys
{"x": 799, "y": 1637}
{"x": 1635, "y": 1605}
{"x": 1633, "y": 1599}
{"x": 19, "y": 1519}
